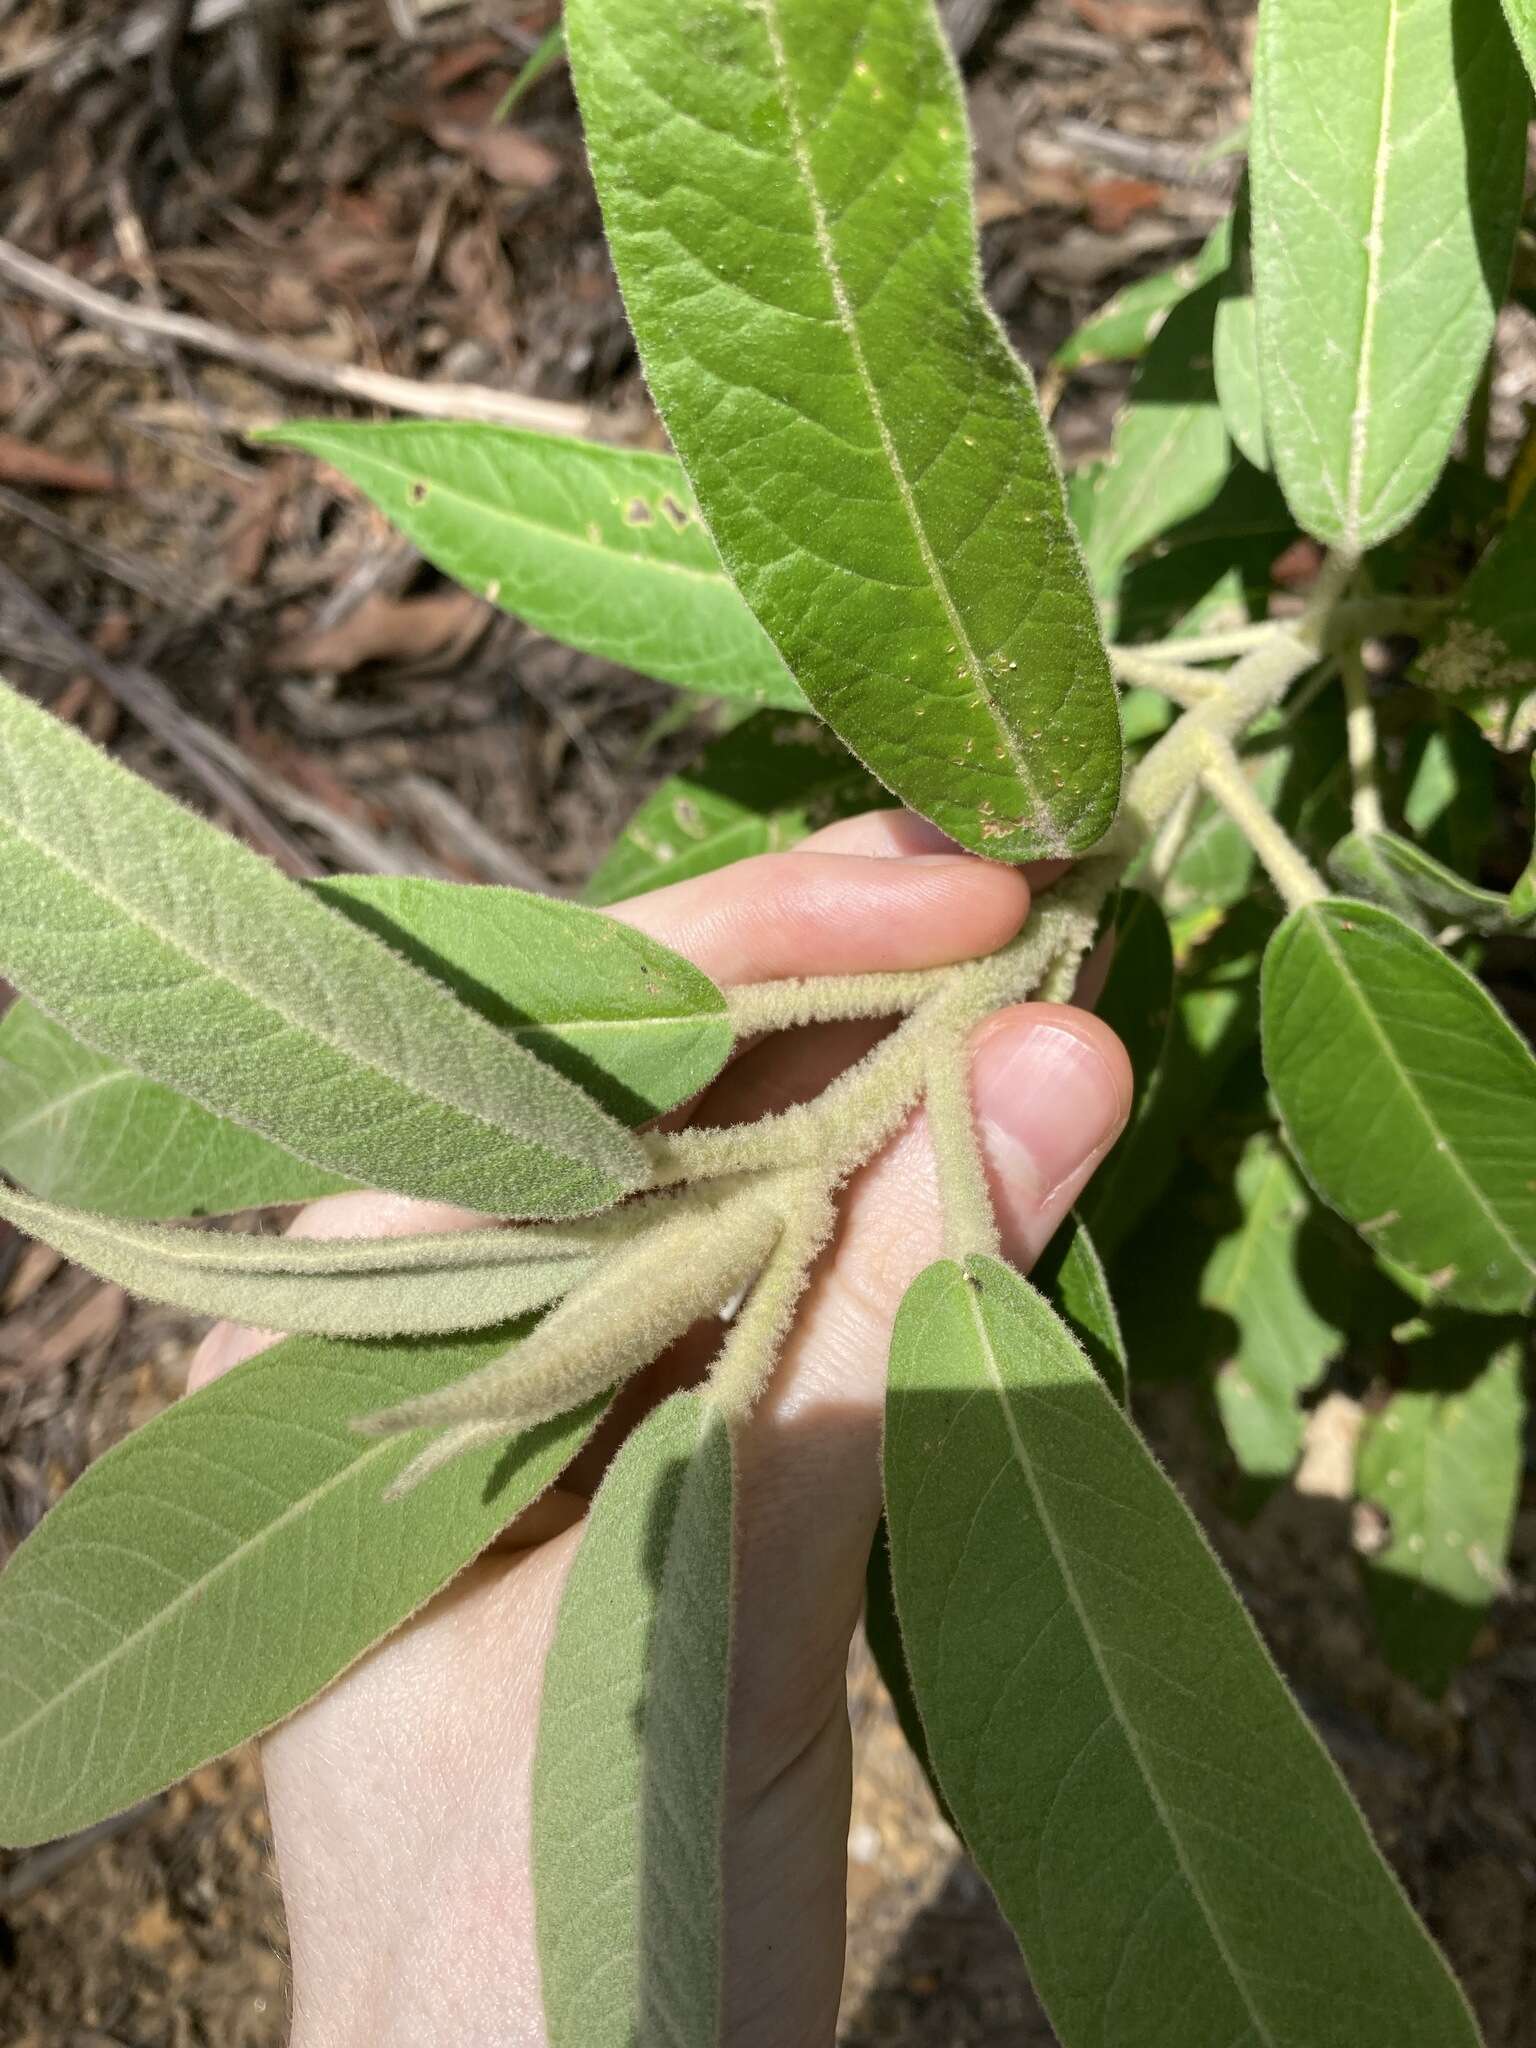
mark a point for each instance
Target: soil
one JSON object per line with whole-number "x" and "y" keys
{"x": 326, "y": 178}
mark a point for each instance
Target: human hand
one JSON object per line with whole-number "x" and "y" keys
{"x": 400, "y": 1798}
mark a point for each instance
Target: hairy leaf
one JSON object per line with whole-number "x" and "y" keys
{"x": 1170, "y": 454}
{"x": 1125, "y": 325}
{"x": 600, "y": 547}
{"x": 629, "y": 1776}
{"x": 1387, "y": 162}
{"x": 161, "y": 942}
{"x": 1408, "y": 1098}
{"x": 1178, "y": 1856}
{"x": 329, "y": 1287}
{"x": 626, "y": 1018}
{"x": 1484, "y": 653}
{"x": 1274, "y": 1339}
{"x": 786, "y": 188}
{"x": 216, "y": 1569}
{"x": 1070, "y": 1274}
{"x": 1422, "y": 891}
{"x": 80, "y": 1128}
{"x": 757, "y": 789}
{"x": 1441, "y": 1462}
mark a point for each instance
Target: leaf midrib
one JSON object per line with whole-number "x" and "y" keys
{"x": 1359, "y": 425}
{"x": 1044, "y": 818}
{"x": 1127, "y": 1730}
{"x": 1444, "y": 1149}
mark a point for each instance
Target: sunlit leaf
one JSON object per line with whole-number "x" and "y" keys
{"x": 1441, "y": 1462}
{"x": 1387, "y": 161}
{"x": 600, "y": 547}
{"x": 758, "y": 789}
{"x": 1166, "y": 1834}
{"x": 161, "y": 942}
{"x": 787, "y": 192}
{"x": 629, "y": 1778}
{"x": 220, "y": 1566}
{"x": 1408, "y": 1098}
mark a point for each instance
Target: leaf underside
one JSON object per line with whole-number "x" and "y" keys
{"x": 786, "y": 190}
{"x": 1180, "y": 1859}
{"x": 228, "y": 1560}
{"x": 629, "y": 1775}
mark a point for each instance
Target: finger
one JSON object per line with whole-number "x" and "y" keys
{"x": 898, "y": 835}
{"x": 785, "y": 914}
{"x": 353, "y": 1215}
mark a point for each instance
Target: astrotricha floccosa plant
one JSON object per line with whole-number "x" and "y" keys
{"x": 862, "y": 547}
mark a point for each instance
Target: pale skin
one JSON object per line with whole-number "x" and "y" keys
{"x": 400, "y": 1798}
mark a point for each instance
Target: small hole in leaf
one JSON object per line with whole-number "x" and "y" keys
{"x": 418, "y": 492}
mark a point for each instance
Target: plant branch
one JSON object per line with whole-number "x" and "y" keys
{"x": 1186, "y": 686}
{"x": 1206, "y": 646}
{"x": 1290, "y": 871}
{"x": 759, "y": 1006}
{"x": 1360, "y": 739}
{"x": 970, "y": 1225}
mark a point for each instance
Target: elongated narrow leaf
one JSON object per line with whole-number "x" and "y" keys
{"x": 78, "y": 1127}
{"x": 1392, "y": 871}
{"x": 1522, "y": 898}
{"x": 1271, "y": 1338}
{"x": 786, "y": 188}
{"x": 1171, "y": 453}
{"x": 214, "y": 1571}
{"x": 1235, "y": 364}
{"x": 1124, "y": 326}
{"x": 1177, "y": 1854}
{"x": 1441, "y": 1463}
{"x": 329, "y": 1287}
{"x": 765, "y": 784}
{"x": 1387, "y": 161}
{"x": 600, "y": 547}
{"x": 629, "y": 1778}
{"x": 161, "y": 942}
{"x": 1137, "y": 1001}
{"x": 1408, "y": 1098}
{"x": 633, "y": 1023}
{"x": 1484, "y": 655}
{"x": 1070, "y": 1274}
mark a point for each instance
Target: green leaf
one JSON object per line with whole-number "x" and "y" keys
{"x": 786, "y": 189}
{"x": 1235, "y": 364}
{"x": 1441, "y": 1462}
{"x": 629, "y": 1776}
{"x": 631, "y": 1022}
{"x": 1484, "y": 653}
{"x": 1522, "y": 898}
{"x": 1166, "y": 1834}
{"x": 1070, "y": 1274}
{"x": 159, "y": 941}
{"x": 757, "y": 789}
{"x": 1425, "y": 893}
{"x": 1448, "y": 776}
{"x": 1170, "y": 454}
{"x": 1408, "y": 1098}
{"x": 215, "y": 1570}
{"x": 1387, "y": 164}
{"x": 1137, "y": 1003}
{"x": 1274, "y": 1340}
{"x": 882, "y": 1631}
{"x": 1124, "y": 326}
{"x": 329, "y": 1287}
{"x": 78, "y": 1128}
{"x": 600, "y": 547}
{"x": 1522, "y": 23}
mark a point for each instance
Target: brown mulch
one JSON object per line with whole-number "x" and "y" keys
{"x": 314, "y": 177}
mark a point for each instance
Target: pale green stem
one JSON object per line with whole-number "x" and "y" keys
{"x": 1207, "y": 646}
{"x": 1290, "y": 871}
{"x": 1163, "y": 856}
{"x": 759, "y": 1006}
{"x": 751, "y": 1347}
{"x": 1186, "y": 686}
{"x": 970, "y": 1225}
{"x": 1360, "y": 740}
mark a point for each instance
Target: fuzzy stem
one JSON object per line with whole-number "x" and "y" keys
{"x": 1163, "y": 854}
{"x": 1186, "y": 686}
{"x": 751, "y": 1350}
{"x": 1207, "y": 646}
{"x": 1289, "y": 870}
{"x": 970, "y": 1225}
{"x": 759, "y": 1006}
{"x": 1360, "y": 737}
